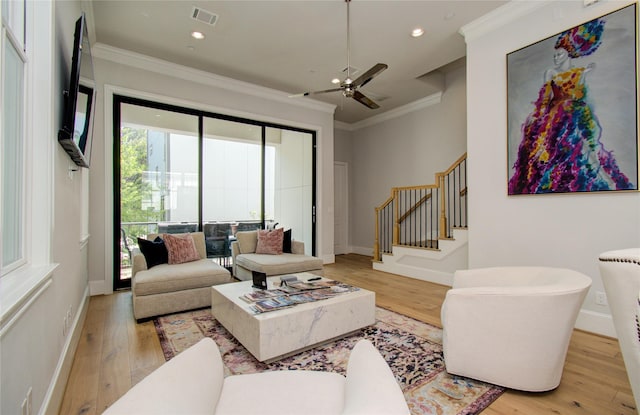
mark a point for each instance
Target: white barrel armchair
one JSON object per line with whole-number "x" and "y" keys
{"x": 511, "y": 326}
{"x": 193, "y": 383}
{"x": 620, "y": 271}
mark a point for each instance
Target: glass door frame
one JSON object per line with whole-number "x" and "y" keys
{"x": 120, "y": 284}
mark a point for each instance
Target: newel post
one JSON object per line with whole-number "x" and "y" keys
{"x": 443, "y": 202}
{"x": 396, "y": 215}
{"x": 376, "y": 243}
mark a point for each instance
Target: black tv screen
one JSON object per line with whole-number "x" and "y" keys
{"x": 76, "y": 133}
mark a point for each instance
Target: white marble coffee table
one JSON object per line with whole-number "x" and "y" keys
{"x": 278, "y": 333}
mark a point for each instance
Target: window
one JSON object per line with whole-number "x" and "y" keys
{"x": 180, "y": 170}
{"x": 12, "y": 226}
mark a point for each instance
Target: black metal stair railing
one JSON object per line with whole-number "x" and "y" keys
{"x": 421, "y": 216}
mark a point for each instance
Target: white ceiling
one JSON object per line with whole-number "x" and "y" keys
{"x": 298, "y": 46}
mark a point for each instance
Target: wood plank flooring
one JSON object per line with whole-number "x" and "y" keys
{"x": 115, "y": 353}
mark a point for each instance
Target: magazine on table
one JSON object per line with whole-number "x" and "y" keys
{"x": 297, "y": 292}
{"x": 308, "y": 285}
{"x": 274, "y": 303}
{"x": 301, "y": 298}
{"x": 258, "y": 295}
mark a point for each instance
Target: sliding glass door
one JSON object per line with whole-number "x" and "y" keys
{"x": 180, "y": 170}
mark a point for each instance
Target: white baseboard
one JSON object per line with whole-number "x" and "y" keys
{"x": 55, "y": 393}
{"x": 436, "y": 277}
{"x": 97, "y": 288}
{"x": 361, "y": 250}
{"x": 328, "y": 259}
{"x": 597, "y": 323}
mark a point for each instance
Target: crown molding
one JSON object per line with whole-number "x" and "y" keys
{"x": 340, "y": 125}
{"x": 425, "y": 102}
{"x": 499, "y": 17}
{"x": 148, "y": 63}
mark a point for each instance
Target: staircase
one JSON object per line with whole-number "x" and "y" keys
{"x": 421, "y": 231}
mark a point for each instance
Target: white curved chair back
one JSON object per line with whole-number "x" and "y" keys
{"x": 620, "y": 272}
{"x": 511, "y": 326}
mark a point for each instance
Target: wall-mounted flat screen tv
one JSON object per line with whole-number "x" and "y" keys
{"x": 76, "y": 134}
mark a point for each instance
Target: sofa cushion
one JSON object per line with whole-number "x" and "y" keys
{"x": 198, "y": 240}
{"x": 190, "y": 383}
{"x": 247, "y": 394}
{"x": 155, "y": 252}
{"x": 168, "y": 278}
{"x": 270, "y": 242}
{"x": 286, "y": 241}
{"x": 371, "y": 387}
{"x": 247, "y": 241}
{"x": 180, "y": 248}
{"x": 279, "y": 264}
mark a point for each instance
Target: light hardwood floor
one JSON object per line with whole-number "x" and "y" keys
{"x": 114, "y": 352}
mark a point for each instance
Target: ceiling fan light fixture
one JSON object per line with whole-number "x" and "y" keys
{"x": 197, "y": 35}
{"x": 417, "y": 32}
{"x": 335, "y": 81}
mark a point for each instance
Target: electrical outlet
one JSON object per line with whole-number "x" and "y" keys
{"x": 601, "y": 298}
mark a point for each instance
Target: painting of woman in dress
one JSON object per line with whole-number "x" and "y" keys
{"x": 563, "y": 145}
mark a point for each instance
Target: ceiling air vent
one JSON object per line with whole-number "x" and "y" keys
{"x": 204, "y": 16}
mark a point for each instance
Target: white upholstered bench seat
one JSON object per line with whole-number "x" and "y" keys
{"x": 279, "y": 264}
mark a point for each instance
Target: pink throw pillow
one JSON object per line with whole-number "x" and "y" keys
{"x": 270, "y": 242}
{"x": 181, "y": 248}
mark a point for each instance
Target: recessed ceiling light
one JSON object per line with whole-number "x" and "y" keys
{"x": 335, "y": 81}
{"x": 197, "y": 35}
{"x": 417, "y": 32}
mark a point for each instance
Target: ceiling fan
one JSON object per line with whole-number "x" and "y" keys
{"x": 349, "y": 87}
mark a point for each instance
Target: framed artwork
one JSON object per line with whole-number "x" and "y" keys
{"x": 572, "y": 109}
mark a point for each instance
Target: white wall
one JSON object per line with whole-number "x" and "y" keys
{"x": 403, "y": 151}
{"x": 136, "y": 75}
{"x": 294, "y": 186}
{"x": 36, "y": 349}
{"x": 564, "y": 230}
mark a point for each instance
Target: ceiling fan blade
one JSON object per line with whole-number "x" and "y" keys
{"x": 369, "y": 75}
{"x": 361, "y": 98}
{"x": 306, "y": 94}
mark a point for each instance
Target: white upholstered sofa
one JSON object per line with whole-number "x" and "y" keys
{"x": 245, "y": 259}
{"x": 170, "y": 288}
{"x": 620, "y": 271}
{"x": 193, "y": 383}
{"x": 511, "y": 326}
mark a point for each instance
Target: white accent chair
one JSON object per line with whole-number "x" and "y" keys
{"x": 193, "y": 383}
{"x": 511, "y": 326}
{"x": 620, "y": 271}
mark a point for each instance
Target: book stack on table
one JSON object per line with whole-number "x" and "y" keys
{"x": 294, "y": 292}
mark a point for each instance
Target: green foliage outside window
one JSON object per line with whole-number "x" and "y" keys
{"x": 136, "y": 190}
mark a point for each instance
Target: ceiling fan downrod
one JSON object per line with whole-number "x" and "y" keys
{"x": 349, "y": 87}
{"x": 348, "y": 80}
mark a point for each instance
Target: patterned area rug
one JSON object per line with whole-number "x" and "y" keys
{"x": 412, "y": 349}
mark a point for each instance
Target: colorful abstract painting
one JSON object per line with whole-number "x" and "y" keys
{"x": 572, "y": 109}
